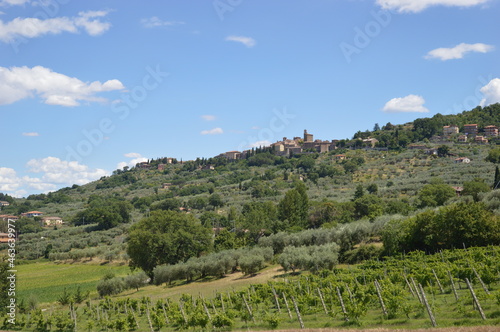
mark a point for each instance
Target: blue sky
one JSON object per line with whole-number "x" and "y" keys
{"x": 87, "y": 87}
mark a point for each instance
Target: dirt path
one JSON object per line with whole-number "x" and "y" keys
{"x": 233, "y": 281}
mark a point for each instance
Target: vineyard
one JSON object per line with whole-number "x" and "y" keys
{"x": 450, "y": 288}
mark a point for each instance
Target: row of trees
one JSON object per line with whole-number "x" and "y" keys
{"x": 452, "y": 226}
{"x": 249, "y": 260}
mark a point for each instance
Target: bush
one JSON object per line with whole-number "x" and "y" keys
{"x": 250, "y": 264}
{"x": 110, "y": 287}
{"x": 136, "y": 280}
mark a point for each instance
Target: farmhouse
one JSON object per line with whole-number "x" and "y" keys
{"x": 450, "y": 130}
{"x": 51, "y": 221}
{"x": 32, "y": 214}
{"x": 480, "y": 140}
{"x": 491, "y": 131}
{"x": 470, "y": 129}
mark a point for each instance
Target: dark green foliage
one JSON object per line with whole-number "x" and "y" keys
{"x": 362, "y": 253}
{"x": 4, "y": 285}
{"x": 360, "y": 191}
{"x": 211, "y": 219}
{"x": 372, "y": 188}
{"x": 496, "y": 182}
{"x": 435, "y": 194}
{"x": 166, "y": 237}
{"x": 171, "y": 204}
{"x": 443, "y": 150}
{"x": 117, "y": 180}
{"x": 224, "y": 240}
{"x": 293, "y": 209}
{"x": 494, "y": 156}
{"x": 369, "y": 206}
{"x": 262, "y": 159}
{"x": 28, "y": 225}
{"x": 199, "y": 202}
{"x": 105, "y": 212}
{"x": 469, "y": 224}
{"x": 475, "y": 187}
{"x": 256, "y": 216}
{"x": 215, "y": 200}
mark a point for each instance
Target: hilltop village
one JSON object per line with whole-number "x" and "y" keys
{"x": 307, "y": 143}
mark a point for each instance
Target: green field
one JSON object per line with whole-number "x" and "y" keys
{"x": 46, "y": 281}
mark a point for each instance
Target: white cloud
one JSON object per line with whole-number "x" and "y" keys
{"x": 57, "y": 171}
{"x": 214, "y": 131}
{"x": 31, "y": 134}
{"x": 153, "y": 22}
{"x": 416, "y": 6}
{"x": 259, "y": 144}
{"x": 137, "y": 158}
{"x": 410, "y": 103}
{"x": 132, "y": 155}
{"x": 208, "y": 117}
{"x": 34, "y": 27}
{"x": 458, "y": 51}
{"x": 4, "y": 3}
{"x": 17, "y": 83}
{"x": 491, "y": 92}
{"x": 247, "y": 41}
{"x": 54, "y": 174}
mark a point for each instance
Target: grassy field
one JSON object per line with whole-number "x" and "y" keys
{"x": 46, "y": 280}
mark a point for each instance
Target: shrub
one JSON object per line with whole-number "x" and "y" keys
{"x": 110, "y": 287}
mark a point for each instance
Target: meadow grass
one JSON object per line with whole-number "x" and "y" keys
{"x": 46, "y": 281}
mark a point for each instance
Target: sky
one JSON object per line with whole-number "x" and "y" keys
{"x": 88, "y": 87}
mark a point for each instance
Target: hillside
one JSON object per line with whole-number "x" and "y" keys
{"x": 220, "y": 191}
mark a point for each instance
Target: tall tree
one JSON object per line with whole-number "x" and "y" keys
{"x": 166, "y": 237}
{"x": 294, "y": 207}
{"x": 496, "y": 184}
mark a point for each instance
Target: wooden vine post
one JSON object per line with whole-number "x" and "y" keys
{"x": 248, "y": 308}
{"x": 481, "y": 281}
{"x": 344, "y": 311}
{"x": 452, "y": 283}
{"x": 276, "y": 299}
{"x": 298, "y": 313}
{"x": 380, "y": 298}
{"x": 427, "y": 306}
{"x": 287, "y": 306}
{"x": 438, "y": 282}
{"x": 322, "y": 300}
{"x": 476, "y": 301}
{"x": 165, "y": 313}
{"x": 419, "y": 296}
